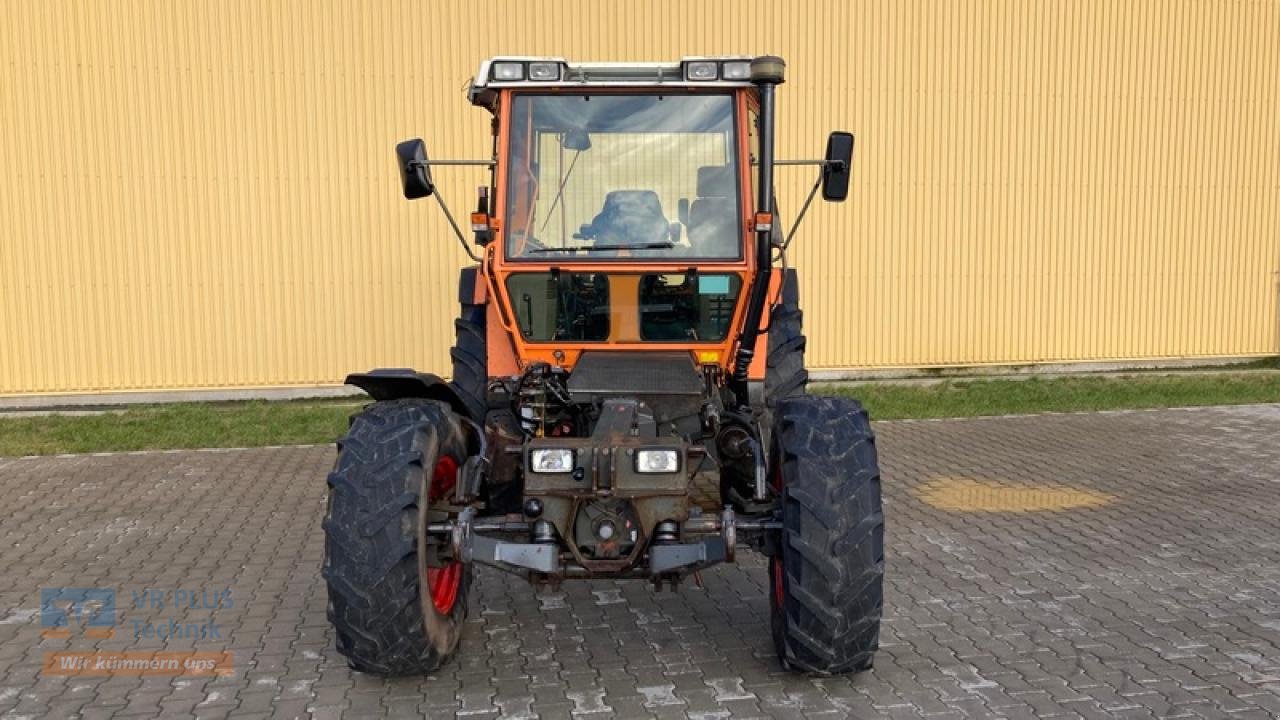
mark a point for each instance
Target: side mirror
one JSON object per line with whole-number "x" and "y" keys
{"x": 838, "y": 165}
{"x": 415, "y": 175}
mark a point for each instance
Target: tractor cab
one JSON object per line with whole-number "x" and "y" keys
{"x": 623, "y": 215}
{"x": 629, "y": 183}
{"x": 625, "y": 210}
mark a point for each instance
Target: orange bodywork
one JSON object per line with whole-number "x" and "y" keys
{"x": 509, "y": 351}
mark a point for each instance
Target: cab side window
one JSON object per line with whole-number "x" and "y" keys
{"x": 753, "y": 147}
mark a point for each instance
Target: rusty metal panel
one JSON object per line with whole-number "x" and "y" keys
{"x": 204, "y": 195}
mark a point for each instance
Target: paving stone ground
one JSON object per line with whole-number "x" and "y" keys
{"x": 1161, "y": 599}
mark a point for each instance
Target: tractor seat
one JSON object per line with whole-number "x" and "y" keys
{"x": 713, "y": 215}
{"x": 631, "y": 217}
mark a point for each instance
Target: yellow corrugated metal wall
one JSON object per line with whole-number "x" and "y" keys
{"x": 198, "y": 194}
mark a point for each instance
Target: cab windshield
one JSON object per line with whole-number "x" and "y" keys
{"x": 595, "y": 177}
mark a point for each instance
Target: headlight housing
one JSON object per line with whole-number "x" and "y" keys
{"x": 701, "y": 70}
{"x": 736, "y": 70}
{"x": 544, "y": 71}
{"x": 551, "y": 460}
{"x": 508, "y": 71}
{"x": 657, "y": 461}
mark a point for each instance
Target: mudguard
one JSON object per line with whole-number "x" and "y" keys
{"x": 396, "y": 383}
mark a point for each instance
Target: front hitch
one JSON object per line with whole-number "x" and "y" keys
{"x": 717, "y": 545}
{"x": 468, "y": 546}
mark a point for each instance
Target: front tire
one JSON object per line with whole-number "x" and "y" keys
{"x": 396, "y": 600}
{"x": 827, "y": 580}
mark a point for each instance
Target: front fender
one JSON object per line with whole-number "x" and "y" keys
{"x": 397, "y": 383}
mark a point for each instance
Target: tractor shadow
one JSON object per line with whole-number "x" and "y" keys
{"x": 707, "y": 646}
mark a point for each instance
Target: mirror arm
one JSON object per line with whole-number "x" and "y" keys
{"x": 835, "y": 164}
{"x": 453, "y": 224}
{"x": 482, "y": 163}
{"x": 445, "y": 208}
{"x": 803, "y": 209}
{"x": 797, "y": 162}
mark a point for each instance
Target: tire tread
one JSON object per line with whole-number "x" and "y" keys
{"x": 832, "y": 537}
{"x": 371, "y": 554}
{"x": 785, "y": 374}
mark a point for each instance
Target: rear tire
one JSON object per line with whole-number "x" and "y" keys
{"x": 470, "y": 358}
{"x": 470, "y": 355}
{"x": 827, "y": 580}
{"x": 785, "y": 375}
{"x": 396, "y": 601}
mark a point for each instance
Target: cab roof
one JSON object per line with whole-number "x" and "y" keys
{"x": 557, "y": 72}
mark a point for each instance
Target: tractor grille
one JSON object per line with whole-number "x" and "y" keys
{"x": 627, "y": 374}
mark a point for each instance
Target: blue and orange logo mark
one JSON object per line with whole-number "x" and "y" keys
{"x": 94, "y": 609}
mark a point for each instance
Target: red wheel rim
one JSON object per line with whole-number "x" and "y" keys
{"x": 778, "y": 594}
{"x": 443, "y": 582}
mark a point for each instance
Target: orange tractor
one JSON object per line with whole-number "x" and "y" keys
{"x": 628, "y": 396}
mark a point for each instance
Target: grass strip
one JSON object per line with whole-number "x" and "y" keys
{"x": 180, "y": 425}
{"x": 970, "y": 398}
{"x": 302, "y": 422}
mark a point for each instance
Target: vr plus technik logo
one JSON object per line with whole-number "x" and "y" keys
{"x": 91, "y": 614}
{"x": 91, "y": 609}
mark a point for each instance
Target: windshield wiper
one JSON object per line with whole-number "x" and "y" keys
{"x": 560, "y": 191}
{"x": 594, "y": 248}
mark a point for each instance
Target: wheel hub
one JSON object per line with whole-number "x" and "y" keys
{"x": 443, "y": 583}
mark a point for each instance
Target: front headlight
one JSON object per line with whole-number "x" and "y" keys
{"x": 508, "y": 71}
{"x": 657, "y": 461}
{"x": 552, "y": 460}
{"x": 700, "y": 70}
{"x": 544, "y": 71}
{"x": 737, "y": 70}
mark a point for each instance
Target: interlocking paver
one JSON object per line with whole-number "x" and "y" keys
{"x": 1162, "y": 602}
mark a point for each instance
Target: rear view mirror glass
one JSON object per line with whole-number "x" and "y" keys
{"x": 836, "y": 170}
{"x": 415, "y": 175}
{"x": 578, "y": 140}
